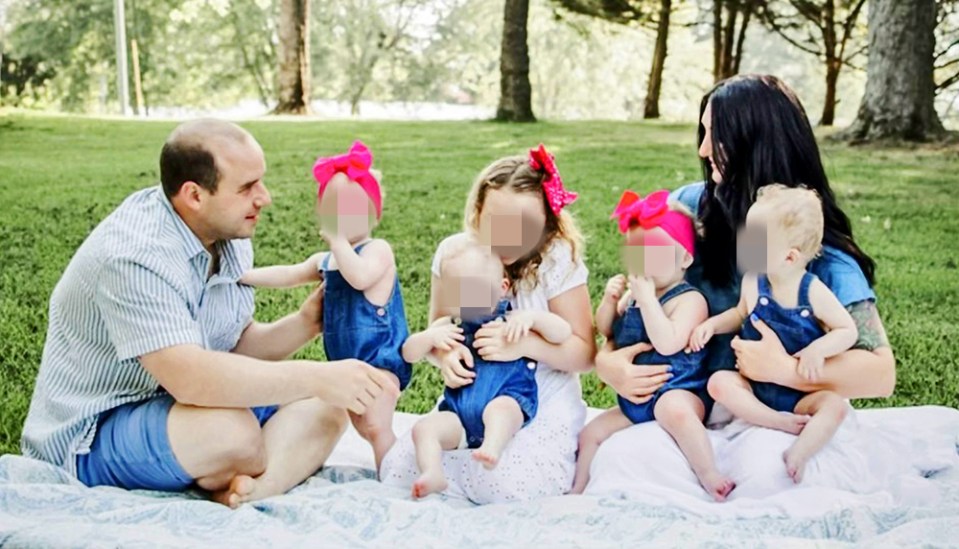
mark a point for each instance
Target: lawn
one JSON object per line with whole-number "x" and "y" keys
{"x": 59, "y": 176}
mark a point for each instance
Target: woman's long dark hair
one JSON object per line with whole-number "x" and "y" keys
{"x": 761, "y": 135}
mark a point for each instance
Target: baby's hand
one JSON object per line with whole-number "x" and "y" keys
{"x": 615, "y": 288}
{"x": 445, "y": 336}
{"x": 810, "y": 364}
{"x": 701, "y": 336}
{"x": 643, "y": 289}
{"x": 518, "y": 324}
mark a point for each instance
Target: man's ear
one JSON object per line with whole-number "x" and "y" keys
{"x": 191, "y": 195}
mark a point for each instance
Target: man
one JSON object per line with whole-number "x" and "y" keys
{"x": 154, "y": 375}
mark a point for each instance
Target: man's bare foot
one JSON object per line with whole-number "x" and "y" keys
{"x": 717, "y": 485}
{"x": 240, "y": 491}
{"x": 429, "y": 483}
{"x": 792, "y": 423}
{"x": 795, "y": 464}
{"x": 487, "y": 458}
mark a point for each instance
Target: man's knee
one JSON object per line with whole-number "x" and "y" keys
{"x": 229, "y": 439}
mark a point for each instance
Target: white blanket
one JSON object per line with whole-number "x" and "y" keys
{"x": 915, "y": 456}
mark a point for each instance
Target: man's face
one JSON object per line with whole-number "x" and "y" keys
{"x": 234, "y": 209}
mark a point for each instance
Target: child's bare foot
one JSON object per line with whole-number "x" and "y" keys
{"x": 487, "y": 458}
{"x": 792, "y": 423}
{"x": 429, "y": 483}
{"x": 795, "y": 464}
{"x": 717, "y": 485}
{"x": 240, "y": 491}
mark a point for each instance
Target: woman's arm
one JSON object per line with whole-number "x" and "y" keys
{"x": 868, "y": 370}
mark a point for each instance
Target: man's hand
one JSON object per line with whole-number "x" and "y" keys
{"x": 354, "y": 385}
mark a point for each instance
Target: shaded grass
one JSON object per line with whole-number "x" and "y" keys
{"x": 59, "y": 176}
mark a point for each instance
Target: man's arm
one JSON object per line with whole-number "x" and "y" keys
{"x": 280, "y": 339}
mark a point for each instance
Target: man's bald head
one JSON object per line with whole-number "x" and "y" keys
{"x": 191, "y": 152}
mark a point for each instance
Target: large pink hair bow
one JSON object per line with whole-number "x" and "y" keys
{"x": 356, "y": 165}
{"x": 653, "y": 211}
{"x": 557, "y": 196}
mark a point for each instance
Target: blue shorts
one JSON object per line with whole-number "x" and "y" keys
{"x": 131, "y": 449}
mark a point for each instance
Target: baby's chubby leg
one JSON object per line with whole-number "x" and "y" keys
{"x": 434, "y": 433}
{"x": 502, "y": 418}
{"x": 732, "y": 390}
{"x": 595, "y": 433}
{"x": 828, "y": 410}
{"x": 376, "y": 425}
{"x": 681, "y": 414}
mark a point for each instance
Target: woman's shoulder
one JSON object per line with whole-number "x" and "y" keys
{"x": 560, "y": 268}
{"x": 842, "y": 275}
{"x": 689, "y": 195}
{"x": 445, "y": 245}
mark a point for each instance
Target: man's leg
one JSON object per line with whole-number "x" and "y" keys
{"x": 296, "y": 441}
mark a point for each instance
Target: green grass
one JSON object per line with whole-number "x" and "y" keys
{"x": 60, "y": 176}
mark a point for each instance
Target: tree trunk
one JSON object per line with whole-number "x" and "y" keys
{"x": 717, "y": 39}
{"x": 898, "y": 103}
{"x": 293, "y": 71}
{"x": 515, "y": 101}
{"x": 832, "y": 77}
{"x": 651, "y": 107}
{"x": 727, "y": 42}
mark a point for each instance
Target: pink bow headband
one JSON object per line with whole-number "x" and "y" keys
{"x": 557, "y": 196}
{"x": 356, "y": 165}
{"x": 653, "y": 211}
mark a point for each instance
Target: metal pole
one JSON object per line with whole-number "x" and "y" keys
{"x": 123, "y": 81}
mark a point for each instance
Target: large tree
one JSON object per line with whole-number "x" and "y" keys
{"x": 515, "y": 101}
{"x": 293, "y": 69}
{"x": 654, "y": 14}
{"x": 823, "y": 28}
{"x": 730, "y": 19}
{"x": 898, "y": 103}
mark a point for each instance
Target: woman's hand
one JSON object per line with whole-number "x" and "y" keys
{"x": 765, "y": 359}
{"x": 636, "y": 385}
{"x": 492, "y": 344}
{"x": 455, "y": 366}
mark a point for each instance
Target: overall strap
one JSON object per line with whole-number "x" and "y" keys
{"x": 764, "y": 288}
{"x": 676, "y": 290}
{"x": 807, "y": 280}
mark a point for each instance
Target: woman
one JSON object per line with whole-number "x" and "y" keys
{"x": 753, "y": 132}
{"x": 520, "y": 196}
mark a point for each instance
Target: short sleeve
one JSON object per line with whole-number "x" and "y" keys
{"x": 441, "y": 251}
{"x": 559, "y": 272}
{"x": 689, "y": 196}
{"x": 143, "y": 312}
{"x": 843, "y": 276}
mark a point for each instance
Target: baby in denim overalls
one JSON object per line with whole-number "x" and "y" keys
{"x": 502, "y": 398}
{"x": 783, "y": 233}
{"x": 660, "y": 308}
{"x": 363, "y": 313}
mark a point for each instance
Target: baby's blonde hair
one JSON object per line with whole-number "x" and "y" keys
{"x": 797, "y": 211}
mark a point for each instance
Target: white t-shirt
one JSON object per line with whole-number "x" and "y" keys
{"x": 541, "y": 458}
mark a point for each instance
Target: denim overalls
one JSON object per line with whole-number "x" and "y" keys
{"x": 688, "y": 370}
{"x": 355, "y": 328}
{"x": 516, "y": 379}
{"x": 796, "y": 328}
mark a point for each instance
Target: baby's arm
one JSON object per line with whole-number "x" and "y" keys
{"x": 550, "y": 326}
{"x": 608, "y": 308}
{"x": 442, "y": 334}
{"x": 285, "y": 276}
{"x": 841, "y": 336}
{"x": 728, "y": 321}
{"x": 362, "y": 271}
{"x": 670, "y": 334}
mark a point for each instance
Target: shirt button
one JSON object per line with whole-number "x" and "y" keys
{"x": 804, "y": 313}
{"x": 763, "y": 301}
{"x": 381, "y": 311}
{"x": 531, "y": 365}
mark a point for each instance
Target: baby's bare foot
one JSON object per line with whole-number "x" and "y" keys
{"x": 487, "y": 458}
{"x": 717, "y": 485}
{"x": 792, "y": 423}
{"x": 241, "y": 490}
{"x": 795, "y": 464}
{"x": 429, "y": 483}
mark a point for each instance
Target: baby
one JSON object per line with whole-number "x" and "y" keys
{"x": 363, "y": 313}
{"x": 503, "y": 396}
{"x": 810, "y": 321}
{"x": 660, "y": 308}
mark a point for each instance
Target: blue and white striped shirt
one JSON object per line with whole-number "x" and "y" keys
{"x": 137, "y": 284}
